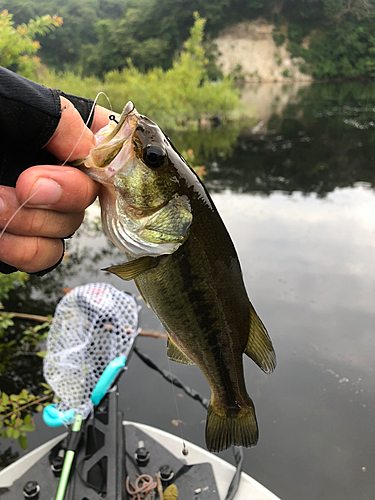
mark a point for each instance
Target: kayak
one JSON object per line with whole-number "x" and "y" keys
{"x": 200, "y": 475}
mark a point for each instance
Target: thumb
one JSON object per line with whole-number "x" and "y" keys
{"x": 72, "y": 139}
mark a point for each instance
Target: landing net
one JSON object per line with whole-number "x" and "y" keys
{"x": 93, "y": 324}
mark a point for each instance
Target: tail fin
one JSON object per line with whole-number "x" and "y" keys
{"x": 227, "y": 427}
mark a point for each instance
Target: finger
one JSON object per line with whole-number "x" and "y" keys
{"x": 35, "y": 221}
{"x": 101, "y": 118}
{"x": 64, "y": 189}
{"x": 30, "y": 254}
{"x": 72, "y": 139}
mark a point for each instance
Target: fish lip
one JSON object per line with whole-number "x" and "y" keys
{"x": 121, "y": 134}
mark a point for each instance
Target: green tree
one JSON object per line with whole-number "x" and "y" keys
{"x": 181, "y": 95}
{"x": 62, "y": 49}
{"x": 150, "y": 33}
{"x": 18, "y": 45}
{"x": 346, "y": 51}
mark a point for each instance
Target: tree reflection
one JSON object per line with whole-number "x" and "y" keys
{"x": 324, "y": 140}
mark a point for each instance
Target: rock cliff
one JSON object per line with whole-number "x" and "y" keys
{"x": 250, "y": 49}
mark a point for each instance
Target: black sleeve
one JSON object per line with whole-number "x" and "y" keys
{"x": 29, "y": 115}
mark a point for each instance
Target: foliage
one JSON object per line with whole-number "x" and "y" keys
{"x": 150, "y": 32}
{"x": 341, "y": 37}
{"x": 175, "y": 97}
{"x": 100, "y": 36}
{"x": 63, "y": 47}
{"x": 18, "y": 45}
{"x": 295, "y": 33}
{"x": 15, "y": 410}
{"x": 16, "y": 413}
{"x": 11, "y": 348}
{"x": 9, "y": 281}
{"x": 238, "y": 75}
{"x": 279, "y": 38}
{"x": 346, "y": 51}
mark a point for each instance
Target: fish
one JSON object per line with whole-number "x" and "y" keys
{"x": 156, "y": 210}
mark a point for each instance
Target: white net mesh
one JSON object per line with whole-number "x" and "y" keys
{"x": 93, "y": 324}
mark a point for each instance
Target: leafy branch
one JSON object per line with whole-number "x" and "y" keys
{"x": 17, "y": 45}
{"x": 16, "y": 420}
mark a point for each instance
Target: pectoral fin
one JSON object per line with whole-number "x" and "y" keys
{"x": 259, "y": 346}
{"x": 130, "y": 270}
{"x": 175, "y": 353}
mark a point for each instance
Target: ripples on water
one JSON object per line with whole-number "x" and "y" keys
{"x": 295, "y": 189}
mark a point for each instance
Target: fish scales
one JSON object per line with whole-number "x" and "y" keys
{"x": 156, "y": 210}
{"x": 195, "y": 312}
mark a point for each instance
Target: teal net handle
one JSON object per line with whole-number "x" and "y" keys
{"x": 55, "y": 418}
{"x": 107, "y": 378}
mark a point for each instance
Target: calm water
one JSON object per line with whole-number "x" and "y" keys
{"x": 294, "y": 186}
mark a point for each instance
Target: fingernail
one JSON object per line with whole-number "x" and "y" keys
{"x": 2, "y": 205}
{"x": 44, "y": 192}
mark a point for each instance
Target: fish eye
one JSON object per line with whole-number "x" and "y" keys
{"x": 154, "y": 156}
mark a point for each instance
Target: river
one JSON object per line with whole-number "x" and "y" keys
{"x": 294, "y": 183}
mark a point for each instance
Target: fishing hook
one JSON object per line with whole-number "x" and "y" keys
{"x": 113, "y": 118}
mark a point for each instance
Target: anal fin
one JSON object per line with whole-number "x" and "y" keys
{"x": 259, "y": 346}
{"x": 175, "y": 353}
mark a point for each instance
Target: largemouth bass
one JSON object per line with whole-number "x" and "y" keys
{"x": 157, "y": 211}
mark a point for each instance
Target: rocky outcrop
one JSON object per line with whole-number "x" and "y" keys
{"x": 249, "y": 49}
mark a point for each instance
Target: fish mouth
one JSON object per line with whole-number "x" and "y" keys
{"x": 114, "y": 147}
{"x": 124, "y": 127}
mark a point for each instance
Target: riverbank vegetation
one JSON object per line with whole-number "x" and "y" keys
{"x": 335, "y": 37}
{"x": 181, "y": 95}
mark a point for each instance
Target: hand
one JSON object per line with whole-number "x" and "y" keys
{"x": 56, "y": 197}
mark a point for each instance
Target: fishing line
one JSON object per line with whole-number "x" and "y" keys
{"x": 184, "y": 449}
{"x": 64, "y": 163}
{"x": 86, "y": 123}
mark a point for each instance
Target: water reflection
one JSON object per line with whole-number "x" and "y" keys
{"x": 307, "y": 252}
{"x": 322, "y": 138}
